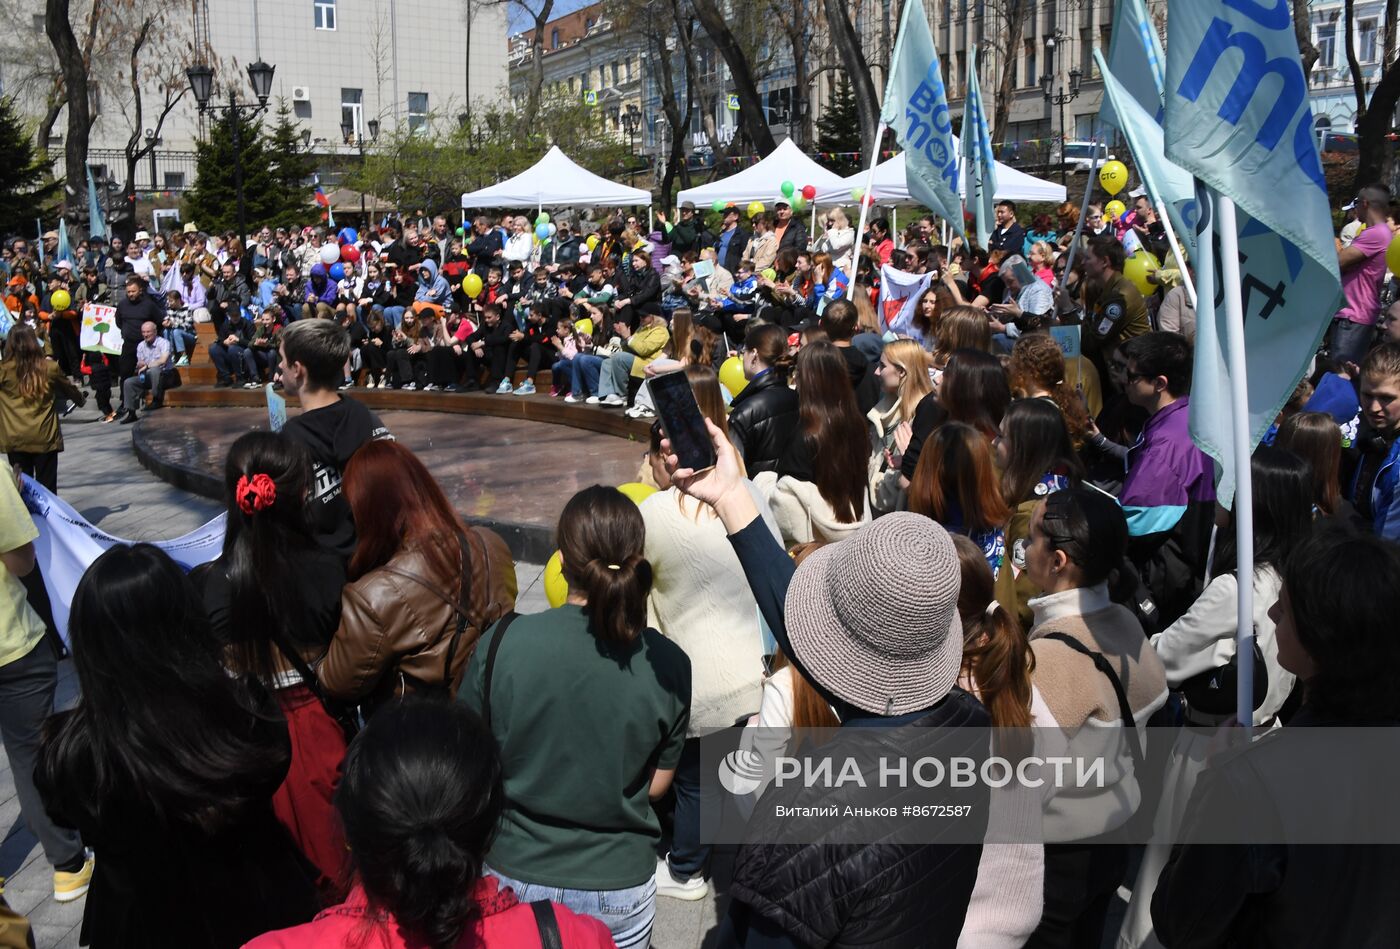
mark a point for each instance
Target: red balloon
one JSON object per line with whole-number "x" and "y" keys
{"x": 809, "y": 192}
{"x": 350, "y": 254}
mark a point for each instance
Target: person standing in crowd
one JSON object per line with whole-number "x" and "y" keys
{"x": 273, "y": 600}
{"x": 840, "y": 321}
{"x": 889, "y": 656}
{"x": 1363, "y": 268}
{"x": 903, "y": 372}
{"x": 1168, "y": 491}
{"x": 28, "y": 682}
{"x": 420, "y": 802}
{"x": 167, "y": 766}
{"x": 1115, "y": 311}
{"x": 1078, "y": 537}
{"x": 1375, "y": 486}
{"x": 1334, "y": 622}
{"x": 1316, "y": 438}
{"x": 956, "y": 485}
{"x": 154, "y": 358}
{"x": 312, "y": 355}
{"x": 1008, "y": 235}
{"x": 763, "y": 416}
{"x": 790, "y": 232}
{"x": 732, "y": 241}
{"x": 422, "y": 585}
{"x": 613, "y": 701}
{"x": 762, "y": 248}
{"x": 29, "y": 428}
{"x": 838, "y": 240}
{"x": 818, "y": 491}
{"x": 134, "y": 311}
{"x": 1036, "y": 459}
{"x": 1037, "y": 371}
{"x": 1198, "y": 646}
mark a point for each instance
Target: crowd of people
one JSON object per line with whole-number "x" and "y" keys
{"x": 342, "y": 727}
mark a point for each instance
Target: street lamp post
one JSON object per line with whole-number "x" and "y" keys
{"x": 1049, "y": 84}
{"x": 201, "y": 78}
{"x": 353, "y": 137}
{"x": 631, "y": 119}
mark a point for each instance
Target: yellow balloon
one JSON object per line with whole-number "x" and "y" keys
{"x": 471, "y": 285}
{"x": 556, "y": 588}
{"x": 769, "y": 273}
{"x": 1137, "y": 269}
{"x": 731, "y": 375}
{"x": 637, "y": 491}
{"x": 592, "y": 242}
{"x": 61, "y": 300}
{"x": 1392, "y": 256}
{"x": 1114, "y": 210}
{"x": 755, "y": 208}
{"x": 1113, "y": 176}
{"x": 584, "y": 327}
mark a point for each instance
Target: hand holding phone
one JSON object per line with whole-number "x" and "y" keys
{"x": 682, "y": 421}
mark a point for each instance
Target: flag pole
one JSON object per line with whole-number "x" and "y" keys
{"x": 1083, "y": 206}
{"x": 1176, "y": 248}
{"x": 1243, "y": 505}
{"x": 865, "y": 197}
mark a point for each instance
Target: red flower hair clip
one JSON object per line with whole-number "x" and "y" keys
{"x": 255, "y": 494}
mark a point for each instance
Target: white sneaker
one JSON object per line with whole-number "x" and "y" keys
{"x": 696, "y": 888}
{"x": 593, "y": 400}
{"x": 614, "y": 401}
{"x": 640, "y": 411}
{"x": 571, "y": 398}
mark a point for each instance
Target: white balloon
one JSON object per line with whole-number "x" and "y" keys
{"x": 552, "y": 229}
{"x": 330, "y": 253}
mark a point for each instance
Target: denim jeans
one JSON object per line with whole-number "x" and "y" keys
{"x": 585, "y": 370}
{"x": 561, "y": 373}
{"x": 392, "y": 316}
{"x": 228, "y": 360}
{"x": 629, "y": 913}
{"x": 1350, "y": 341}
{"x": 182, "y": 341}
{"x": 616, "y": 371}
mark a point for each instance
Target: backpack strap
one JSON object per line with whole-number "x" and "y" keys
{"x": 501, "y": 626}
{"x": 548, "y": 925}
{"x": 461, "y": 606}
{"x": 1125, "y": 711}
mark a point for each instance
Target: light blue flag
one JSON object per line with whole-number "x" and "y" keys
{"x": 1135, "y": 56}
{"x": 97, "y": 225}
{"x": 916, "y": 108}
{"x": 65, "y": 250}
{"x": 1170, "y": 183}
{"x": 1251, "y": 139}
{"x": 976, "y": 144}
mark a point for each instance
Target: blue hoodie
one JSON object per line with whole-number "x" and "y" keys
{"x": 435, "y": 289}
{"x": 322, "y": 285}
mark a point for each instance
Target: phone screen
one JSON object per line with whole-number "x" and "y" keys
{"x": 680, "y": 417}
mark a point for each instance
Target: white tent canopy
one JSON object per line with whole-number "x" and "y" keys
{"x": 891, "y": 187}
{"x": 556, "y": 181}
{"x": 763, "y": 181}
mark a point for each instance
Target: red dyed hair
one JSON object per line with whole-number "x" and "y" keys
{"x": 398, "y": 505}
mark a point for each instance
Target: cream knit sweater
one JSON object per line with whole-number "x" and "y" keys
{"x": 701, "y": 600}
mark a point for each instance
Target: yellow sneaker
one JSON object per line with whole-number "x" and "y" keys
{"x": 68, "y": 887}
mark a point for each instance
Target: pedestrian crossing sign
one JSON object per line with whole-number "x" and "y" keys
{"x": 590, "y": 97}
{"x": 731, "y": 102}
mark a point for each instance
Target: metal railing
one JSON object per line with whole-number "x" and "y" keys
{"x": 161, "y": 171}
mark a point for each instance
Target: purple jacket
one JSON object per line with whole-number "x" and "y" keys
{"x": 1166, "y": 473}
{"x": 327, "y": 291}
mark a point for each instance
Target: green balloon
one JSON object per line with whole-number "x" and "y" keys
{"x": 788, "y": 188}
{"x": 717, "y": 206}
{"x": 543, "y": 218}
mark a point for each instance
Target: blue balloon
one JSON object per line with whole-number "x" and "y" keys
{"x": 337, "y": 271}
{"x": 542, "y": 232}
{"x": 348, "y": 235}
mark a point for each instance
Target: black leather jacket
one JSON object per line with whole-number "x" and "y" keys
{"x": 762, "y": 420}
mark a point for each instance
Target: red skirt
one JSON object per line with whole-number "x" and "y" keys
{"x": 303, "y": 803}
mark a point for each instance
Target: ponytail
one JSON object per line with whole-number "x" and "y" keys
{"x": 996, "y": 653}
{"x": 601, "y": 535}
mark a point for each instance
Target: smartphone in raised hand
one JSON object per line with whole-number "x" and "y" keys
{"x": 682, "y": 421}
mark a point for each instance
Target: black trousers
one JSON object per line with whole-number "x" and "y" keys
{"x": 375, "y": 359}
{"x": 100, "y": 380}
{"x": 405, "y": 368}
{"x": 42, "y": 466}
{"x": 1080, "y": 880}
{"x": 64, "y": 336}
{"x": 493, "y": 362}
{"x": 731, "y": 325}
{"x": 534, "y": 354}
{"x": 126, "y": 362}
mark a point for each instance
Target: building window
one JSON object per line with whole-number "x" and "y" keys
{"x": 1366, "y": 41}
{"x": 614, "y": 73}
{"x": 1327, "y": 42}
{"x": 325, "y": 14}
{"x": 554, "y": 39}
{"x": 174, "y": 181}
{"x": 352, "y": 111}
{"x": 1031, "y": 78}
{"x": 417, "y": 110}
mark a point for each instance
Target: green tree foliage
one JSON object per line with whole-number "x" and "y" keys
{"x": 432, "y": 167}
{"x": 27, "y": 188}
{"x": 267, "y": 197}
{"x": 838, "y": 130}
{"x": 293, "y": 168}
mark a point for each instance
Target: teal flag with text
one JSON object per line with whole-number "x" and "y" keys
{"x": 976, "y": 144}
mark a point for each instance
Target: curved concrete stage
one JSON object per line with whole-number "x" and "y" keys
{"x": 512, "y": 475}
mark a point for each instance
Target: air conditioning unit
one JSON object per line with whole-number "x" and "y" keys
{"x": 301, "y": 93}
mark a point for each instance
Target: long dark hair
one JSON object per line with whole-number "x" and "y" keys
{"x": 1317, "y": 439}
{"x": 975, "y": 390}
{"x": 264, "y": 553}
{"x": 601, "y": 534}
{"x": 397, "y": 504}
{"x": 160, "y": 718}
{"x": 833, "y": 428}
{"x": 420, "y": 800}
{"x": 956, "y": 469}
{"x": 996, "y": 652}
{"x": 1282, "y": 510}
{"x": 1037, "y": 442}
{"x": 1343, "y": 589}
{"x": 31, "y": 371}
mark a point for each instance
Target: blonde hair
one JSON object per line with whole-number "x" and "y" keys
{"x": 909, "y": 356}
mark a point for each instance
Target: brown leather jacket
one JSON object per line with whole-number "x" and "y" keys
{"x": 395, "y": 633}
